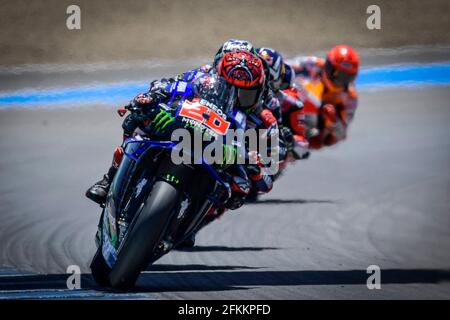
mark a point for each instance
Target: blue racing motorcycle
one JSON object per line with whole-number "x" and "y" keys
{"x": 155, "y": 204}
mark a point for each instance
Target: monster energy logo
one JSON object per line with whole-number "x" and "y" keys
{"x": 162, "y": 119}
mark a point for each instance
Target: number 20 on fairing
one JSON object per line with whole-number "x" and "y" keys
{"x": 201, "y": 113}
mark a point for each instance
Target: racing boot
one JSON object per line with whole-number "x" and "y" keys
{"x": 99, "y": 190}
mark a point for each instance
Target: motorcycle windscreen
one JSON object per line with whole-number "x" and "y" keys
{"x": 217, "y": 91}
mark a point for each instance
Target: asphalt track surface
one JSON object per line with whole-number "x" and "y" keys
{"x": 380, "y": 198}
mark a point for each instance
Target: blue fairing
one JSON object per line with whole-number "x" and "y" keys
{"x": 134, "y": 149}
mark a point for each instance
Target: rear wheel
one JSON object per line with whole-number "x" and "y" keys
{"x": 144, "y": 234}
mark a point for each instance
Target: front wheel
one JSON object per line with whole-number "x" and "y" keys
{"x": 100, "y": 269}
{"x": 144, "y": 234}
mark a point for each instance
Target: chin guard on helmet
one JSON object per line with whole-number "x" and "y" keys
{"x": 245, "y": 72}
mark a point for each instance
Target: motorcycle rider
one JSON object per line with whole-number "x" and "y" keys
{"x": 287, "y": 106}
{"x": 267, "y": 110}
{"x": 241, "y": 66}
{"x": 329, "y": 94}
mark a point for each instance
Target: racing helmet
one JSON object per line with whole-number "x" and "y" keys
{"x": 230, "y": 46}
{"x": 275, "y": 65}
{"x": 341, "y": 66}
{"x": 245, "y": 72}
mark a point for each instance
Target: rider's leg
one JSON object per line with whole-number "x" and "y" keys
{"x": 99, "y": 190}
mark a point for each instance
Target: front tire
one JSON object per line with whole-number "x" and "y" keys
{"x": 144, "y": 234}
{"x": 100, "y": 269}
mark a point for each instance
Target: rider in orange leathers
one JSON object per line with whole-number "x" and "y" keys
{"x": 326, "y": 87}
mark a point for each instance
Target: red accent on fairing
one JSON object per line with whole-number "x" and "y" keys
{"x": 296, "y": 122}
{"x": 122, "y": 111}
{"x": 235, "y": 188}
{"x": 117, "y": 158}
{"x": 292, "y": 95}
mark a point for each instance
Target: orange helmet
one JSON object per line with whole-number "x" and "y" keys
{"x": 341, "y": 65}
{"x": 245, "y": 72}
